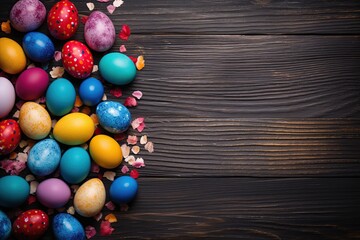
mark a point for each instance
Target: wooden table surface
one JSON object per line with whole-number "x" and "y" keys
{"x": 254, "y": 110}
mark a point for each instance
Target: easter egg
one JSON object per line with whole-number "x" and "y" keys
{"x": 10, "y": 136}
{"x": 63, "y": 20}
{"x": 74, "y": 129}
{"x": 113, "y": 116}
{"x": 105, "y": 151}
{"x": 90, "y": 198}
{"x": 32, "y": 83}
{"x": 53, "y": 193}
{"x": 99, "y": 32}
{"x": 123, "y": 190}
{"x": 77, "y": 59}
{"x": 117, "y": 68}
{"x": 67, "y": 227}
{"x": 60, "y": 97}
{"x": 38, "y": 47}
{"x": 34, "y": 121}
{"x": 12, "y": 56}
{"x": 75, "y": 165}
{"x": 31, "y": 224}
{"x": 91, "y": 91}
{"x": 7, "y": 96}
{"x": 44, "y": 157}
{"x": 5, "y": 226}
{"x": 14, "y": 191}
{"x": 27, "y": 15}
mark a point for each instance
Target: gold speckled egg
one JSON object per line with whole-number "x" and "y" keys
{"x": 90, "y": 198}
{"x": 34, "y": 121}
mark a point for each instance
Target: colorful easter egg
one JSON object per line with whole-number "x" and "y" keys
{"x": 105, "y": 151}
{"x": 113, "y": 116}
{"x": 7, "y": 96}
{"x": 67, "y": 227}
{"x": 32, "y": 83}
{"x": 91, "y": 91}
{"x": 12, "y": 56}
{"x": 75, "y": 165}
{"x": 5, "y": 226}
{"x": 60, "y": 97}
{"x": 10, "y": 136}
{"x": 53, "y": 193}
{"x": 38, "y": 47}
{"x": 14, "y": 191}
{"x": 31, "y": 224}
{"x": 27, "y": 15}
{"x": 123, "y": 190}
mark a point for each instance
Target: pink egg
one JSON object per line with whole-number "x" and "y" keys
{"x": 32, "y": 83}
{"x": 7, "y": 97}
{"x": 53, "y": 193}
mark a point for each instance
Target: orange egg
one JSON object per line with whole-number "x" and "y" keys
{"x": 12, "y": 56}
{"x": 105, "y": 151}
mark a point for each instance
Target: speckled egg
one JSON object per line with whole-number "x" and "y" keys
{"x": 10, "y": 136}
{"x": 7, "y": 97}
{"x": 60, "y": 97}
{"x": 31, "y": 224}
{"x": 12, "y": 56}
{"x": 44, "y": 157}
{"x": 63, "y": 20}
{"x": 77, "y": 59}
{"x": 67, "y": 227}
{"x": 53, "y": 193}
{"x": 113, "y": 116}
{"x": 91, "y": 91}
{"x": 27, "y": 15}
{"x": 90, "y": 198}
{"x": 34, "y": 121}
{"x": 32, "y": 84}
{"x": 75, "y": 165}
{"x": 5, "y": 226}
{"x": 105, "y": 151}
{"x": 123, "y": 190}
{"x": 99, "y": 32}
{"x": 14, "y": 191}
{"x": 38, "y": 47}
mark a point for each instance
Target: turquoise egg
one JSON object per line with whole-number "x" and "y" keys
{"x": 117, "y": 68}
{"x": 75, "y": 165}
{"x": 67, "y": 227}
{"x": 14, "y": 191}
{"x": 60, "y": 97}
{"x": 5, "y": 226}
{"x": 44, "y": 157}
{"x": 113, "y": 116}
{"x": 38, "y": 47}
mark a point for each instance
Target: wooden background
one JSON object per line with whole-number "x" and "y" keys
{"x": 254, "y": 109}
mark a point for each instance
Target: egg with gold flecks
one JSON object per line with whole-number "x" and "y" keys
{"x": 31, "y": 224}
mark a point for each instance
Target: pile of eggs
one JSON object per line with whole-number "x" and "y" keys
{"x": 59, "y": 147}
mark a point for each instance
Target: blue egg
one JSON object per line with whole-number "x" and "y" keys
{"x": 75, "y": 165}
{"x": 67, "y": 227}
{"x": 123, "y": 190}
{"x": 117, "y": 68}
{"x": 5, "y": 226}
{"x": 113, "y": 116}
{"x": 38, "y": 47}
{"x": 60, "y": 97}
{"x": 44, "y": 157}
{"x": 14, "y": 191}
{"x": 91, "y": 91}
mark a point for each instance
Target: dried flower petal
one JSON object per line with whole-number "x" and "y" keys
{"x": 95, "y": 168}
{"x": 105, "y": 228}
{"x": 13, "y": 155}
{"x": 132, "y": 139}
{"x": 84, "y": 19}
{"x": 104, "y": 98}
{"x": 57, "y": 56}
{"x": 31, "y": 199}
{"x": 98, "y": 216}
{"x": 110, "y": 205}
{"x": 86, "y": 110}
{"x": 136, "y": 123}
{"x": 110, "y": 175}
{"x": 29, "y": 178}
{"x": 71, "y": 210}
{"x": 122, "y": 49}
{"x": 95, "y": 119}
{"x": 53, "y": 123}
{"x": 125, "y": 149}
{"x": 5, "y": 27}
{"x": 149, "y": 146}
{"x": 95, "y": 68}
{"x": 16, "y": 114}
{"x": 124, "y": 169}
{"x": 105, "y": 1}
{"x": 130, "y": 159}
{"x": 33, "y": 186}
{"x": 111, "y": 218}
{"x": 134, "y": 174}
{"x": 125, "y": 32}
{"x": 130, "y": 102}
{"x": 137, "y": 94}
{"x": 124, "y": 207}
{"x": 116, "y": 92}
{"x": 84, "y": 146}
{"x": 119, "y": 136}
{"x": 90, "y": 6}
{"x": 98, "y": 131}
{"x": 139, "y": 163}
{"x": 141, "y": 127}
{"x": 134, "y": 59}
{"x": 118, "y": 3}
{"x": 57, "y": 72}
{"x": 110, "y": 8}
{"x": 78, "y": 102}
{"x": 12, "y": 167}
{"x": 90, "y": 232}
{"x": 135, "y": 149}
{"x": 140, "y": 63}
{"x": 23, "y": 143}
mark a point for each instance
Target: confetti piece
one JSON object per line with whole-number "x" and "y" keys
{"x": 150, "y": 147}
{"x": 29, "y": 178}
{"x": 124, "y": 169}
{"x": 71, "y": 210}
{"x": 111, "y": 218}
{"x": 140, "y": 63}
{"x": 118, "y": 3}
{"x": 31, "y": 199}
{"x": 125, "y": 149}
{"x": 78, "y": 102}
{"x": 137, "y": 94}
{"x": 84, "y": 19}
{"x": 135, "y": 149}
{"x": 116, "y": 92}
{"x": 110, "y": 8}
{"x": 110, "y": 205}
{"x": 5, "y": 27}
{"x": 90, "y": 6}
{"x": 90, "y": 232}
{"x": 130, "y": 102}
{"x": 57, "y": 72}
{"x": 12, "y": 167}
{"x": 125, "y": 32}
{"x": 33, "y": 186}
{"x": 132, "y": 140}
{"x": 105, "y": 228}
{"x": 134, "y": 174}
{"x": 110, "y": 175}
{"x": 98, "y": 216}
{"x": 57, "y": 56}
{"x": 139, "y": 163}
{"x": 95, "y": 168}
{"x": 122, "y": 49}
{"x": 130, "y": 159}
{"x": 95, "y": 68}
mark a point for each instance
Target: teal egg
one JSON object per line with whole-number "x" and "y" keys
{"x": 75, "y": 165}
{"x": 60, "y": 97}
{"x": 5, "y": 226}
{"x": 14, "y": 191}
{"x": 117, "y": 68}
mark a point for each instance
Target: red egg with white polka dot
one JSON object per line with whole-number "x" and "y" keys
{"x": 10, "y": 136}
{"x": 77, "y": 59}
{"x": 31, "y": 224}
{"x": 63, "y": 20}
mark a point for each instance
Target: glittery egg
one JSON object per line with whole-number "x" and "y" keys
{"x": 67, "y": 227}
{"x": 31, "y": 224}
{"x": 38, "y": 47}
{"x": 10, "y": 136}
{"x": 53, "y": 193}
{"x": 5, "y": 226}
{"x": 105, "y": 151}
{"x": 113, "y": 116}
{"x": 27, "y": 15}
{"x": 63, "y": 20}
{"x": 14, "y": 191}
{"x": 32, "y": 83}
{"x": 77, "y": 59}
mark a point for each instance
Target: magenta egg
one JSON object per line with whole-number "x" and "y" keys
{"x": 32, "y": 83}
{"x": 53, "y": 193}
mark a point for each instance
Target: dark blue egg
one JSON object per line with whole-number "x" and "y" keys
{"x": 5, "y": 226}
{"x": 67, "y": 227}
{"x": 113, "y": 116}
{"x": 91, "y": 91}
{"x": 123, "y": 190}
{"x": 38, "y": 47}
{"x": 44, "y": 157}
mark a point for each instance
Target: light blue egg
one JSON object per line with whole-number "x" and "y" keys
{"x": 5, "y": 226}
{"x": 60, "y": 97}
{"x": 75, "y": 165}
{"x": 44, "y": 157}
{"x": 38, "y": 47}
{"x": 113, "y": 116}
{"x": 117, "y": 68}
{"x": 91, "y": 91}
{"x": 67, "y": 227}
{"x": 14, "y": 191}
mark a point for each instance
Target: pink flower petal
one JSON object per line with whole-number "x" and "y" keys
{"x": 141, "y": 127}
{"x": 84, "y": 19}
{"x": 122, "y": 49}
{"x": 136, "y": 123}
{"x": 105, "y": 1}
{"x": 137, "y": 94}
{"x": 94, "y": 167}
{"x": 130, "y": 102}
{"x": 125, "y": 32}
{"x": 12, "y": 167}
{"x": 110, "y": 205}
{"x": 134, "y": 174}
{"x": 132, "y": 139}
{"x": 90, "y": 232}
{"x": 110, "y": 175}
{"x": 111, "y": 9}
{"x": 124, "y": 169}
{"x": 149, "y": 146}
{"x": 57, "y": 56}
{"x": 118, "y": 3}
{"x": 139, "y": 163}
{"x": 22, "y": 157}
{"x": 31, "y": 199}
{"x": 105, "y": 228}
{"x": 116, "y": 92}
{"x": 98, "y": 216}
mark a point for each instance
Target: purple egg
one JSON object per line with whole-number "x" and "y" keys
{"x": 27, "y": 15}
{"x": 32, "y": 83}
{"x": 53, "y": 193}
{"x": 99, "y": 32}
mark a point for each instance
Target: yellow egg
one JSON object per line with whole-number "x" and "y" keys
{"x": 12, "y": 56}
{"x": 90, "y": 198}
{"x": 74, "y": 129}
{"x": 105, "y": 151}
{"x": 34, "y": 120}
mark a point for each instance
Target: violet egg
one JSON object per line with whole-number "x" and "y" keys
{"x": 27, "y": 15}
{"x": 53, "y": 193}
{"x": 32, "y": 83}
